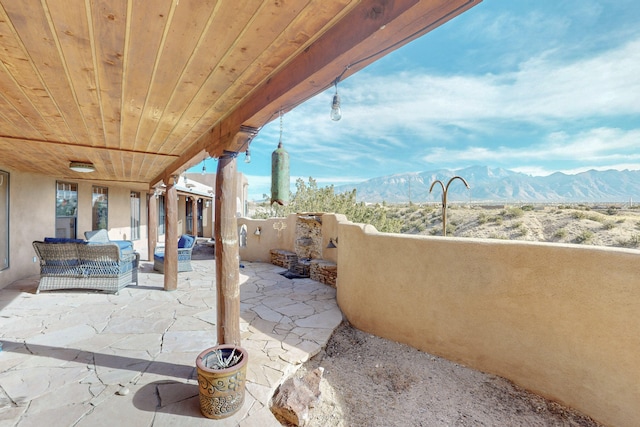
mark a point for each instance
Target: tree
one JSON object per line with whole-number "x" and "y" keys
{"x": 310, "y": 198}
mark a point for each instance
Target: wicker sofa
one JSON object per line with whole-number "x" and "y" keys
{"x": 80, "y": 264}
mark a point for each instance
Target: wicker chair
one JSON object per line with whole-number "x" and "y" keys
{"x": 185, "y": 248}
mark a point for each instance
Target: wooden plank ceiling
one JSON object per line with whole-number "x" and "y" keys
{"x": 145, "y": 89}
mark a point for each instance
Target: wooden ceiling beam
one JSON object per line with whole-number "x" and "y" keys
{"x": 48, "y": 145}
{"x": 345, "y": 48}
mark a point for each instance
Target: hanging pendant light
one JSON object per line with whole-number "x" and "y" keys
{"x": 280, "y": 177}
{"x": 336, "y": 112}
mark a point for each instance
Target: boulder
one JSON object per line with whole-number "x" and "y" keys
{"x": 293, "y": 399}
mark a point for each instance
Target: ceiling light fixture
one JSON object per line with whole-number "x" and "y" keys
{"x": 204, "y": 167}
{"x": 247, "y": 156}
{"x": 82, "y": 167}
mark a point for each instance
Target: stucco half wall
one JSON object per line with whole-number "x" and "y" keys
{"x": 560, "y": 320}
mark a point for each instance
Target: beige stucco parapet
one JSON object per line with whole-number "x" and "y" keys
{"x": 560, "y": 320}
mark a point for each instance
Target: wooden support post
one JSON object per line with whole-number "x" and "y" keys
{"x": 194, "y": 215}
{"x": 227, "y": 252}
{"x": 171, "y": 236}
{"x": 152, "y": 225}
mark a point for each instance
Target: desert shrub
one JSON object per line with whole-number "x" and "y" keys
{"x": 498, "y": 236}
{"x": 482, "y": 218}
{"x": 522, "y": 229}
{"x": 584, "y": 236}
{"x": 451, "y": 228}
{"x": 311, "y": 198}
{"x": 632, "y": 242}
{"x": 596, "y": 218}
{"x": 560, "y": 233}
{"x": 513, "y": 213}
{"x": 621, "y": 220}
{"x": 420, "y": 227}
{"x": 528, "y": 208}
{"x": 578, "y": 215}
{"x": 608, "y": 225}
{"x": 612, "y": 210}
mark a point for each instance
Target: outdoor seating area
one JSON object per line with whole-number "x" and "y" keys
{"x": 89, "y": 358}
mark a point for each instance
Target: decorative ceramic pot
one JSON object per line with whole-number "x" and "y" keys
{"x": 221, "y": 389}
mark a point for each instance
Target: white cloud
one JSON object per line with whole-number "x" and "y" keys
{"x": 596, "y": 145}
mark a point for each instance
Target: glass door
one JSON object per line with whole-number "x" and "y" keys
{"x": 135, "y": 215}
{"x": 66, "y": 210}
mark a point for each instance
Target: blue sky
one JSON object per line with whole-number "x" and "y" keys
{"x": 532, "y": 86}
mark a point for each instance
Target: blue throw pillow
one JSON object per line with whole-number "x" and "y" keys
{"x": 185, "y": 241}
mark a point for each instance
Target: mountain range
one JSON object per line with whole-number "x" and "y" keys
{"x": 500, "y": 185}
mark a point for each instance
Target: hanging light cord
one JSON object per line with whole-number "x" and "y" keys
{"x": 280, "y": 141}
{"x": 335, "y": 82}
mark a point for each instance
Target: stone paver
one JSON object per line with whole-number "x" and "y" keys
{"x": 76, "y": 358}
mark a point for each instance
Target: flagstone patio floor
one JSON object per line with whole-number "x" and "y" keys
{"x": 78, "y": 358}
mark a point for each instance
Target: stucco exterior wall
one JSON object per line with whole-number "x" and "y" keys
{"x": 279, "y": 233}
{"x": 560, "y": 320}
{"x": 32, "y": 212}
{"x": 275, "y": 233}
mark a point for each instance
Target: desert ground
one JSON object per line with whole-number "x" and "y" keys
{"x": 370, "y": 381}
{"x": 602, "y": 225}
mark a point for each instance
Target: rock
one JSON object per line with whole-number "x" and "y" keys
{"x": 123, "y": 391}
{"x": 294, "y": 398}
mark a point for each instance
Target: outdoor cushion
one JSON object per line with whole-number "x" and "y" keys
{"x": 126, "y": 246}
{"x": 62, "y": 240}
{"x": 97, "y": 236}
{"x": 186, "y": 241}
{"x": 101, "y": 236}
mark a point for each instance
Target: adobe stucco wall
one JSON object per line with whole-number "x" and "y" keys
{"x": 560, "y": 320}
{"x": 31, "y": 213}
{"x": 279, "y": 233}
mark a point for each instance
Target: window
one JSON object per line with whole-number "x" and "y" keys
{"x": 100, "y": 207}
{"x": 4, "y": 220}
{"x": 66, "y": 209}
{"x": 135, "y": 215}
{"x": 160, "y": 215}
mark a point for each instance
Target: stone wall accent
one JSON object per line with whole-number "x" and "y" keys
{"x": 308, "y": 243}
{"x": 284, "y": 259}
{"x": 324, "y": 272}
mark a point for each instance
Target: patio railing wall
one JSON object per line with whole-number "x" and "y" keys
{"x": 560, "y": 320}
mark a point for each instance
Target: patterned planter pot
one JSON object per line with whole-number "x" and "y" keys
{"x": 221, "y": 390}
